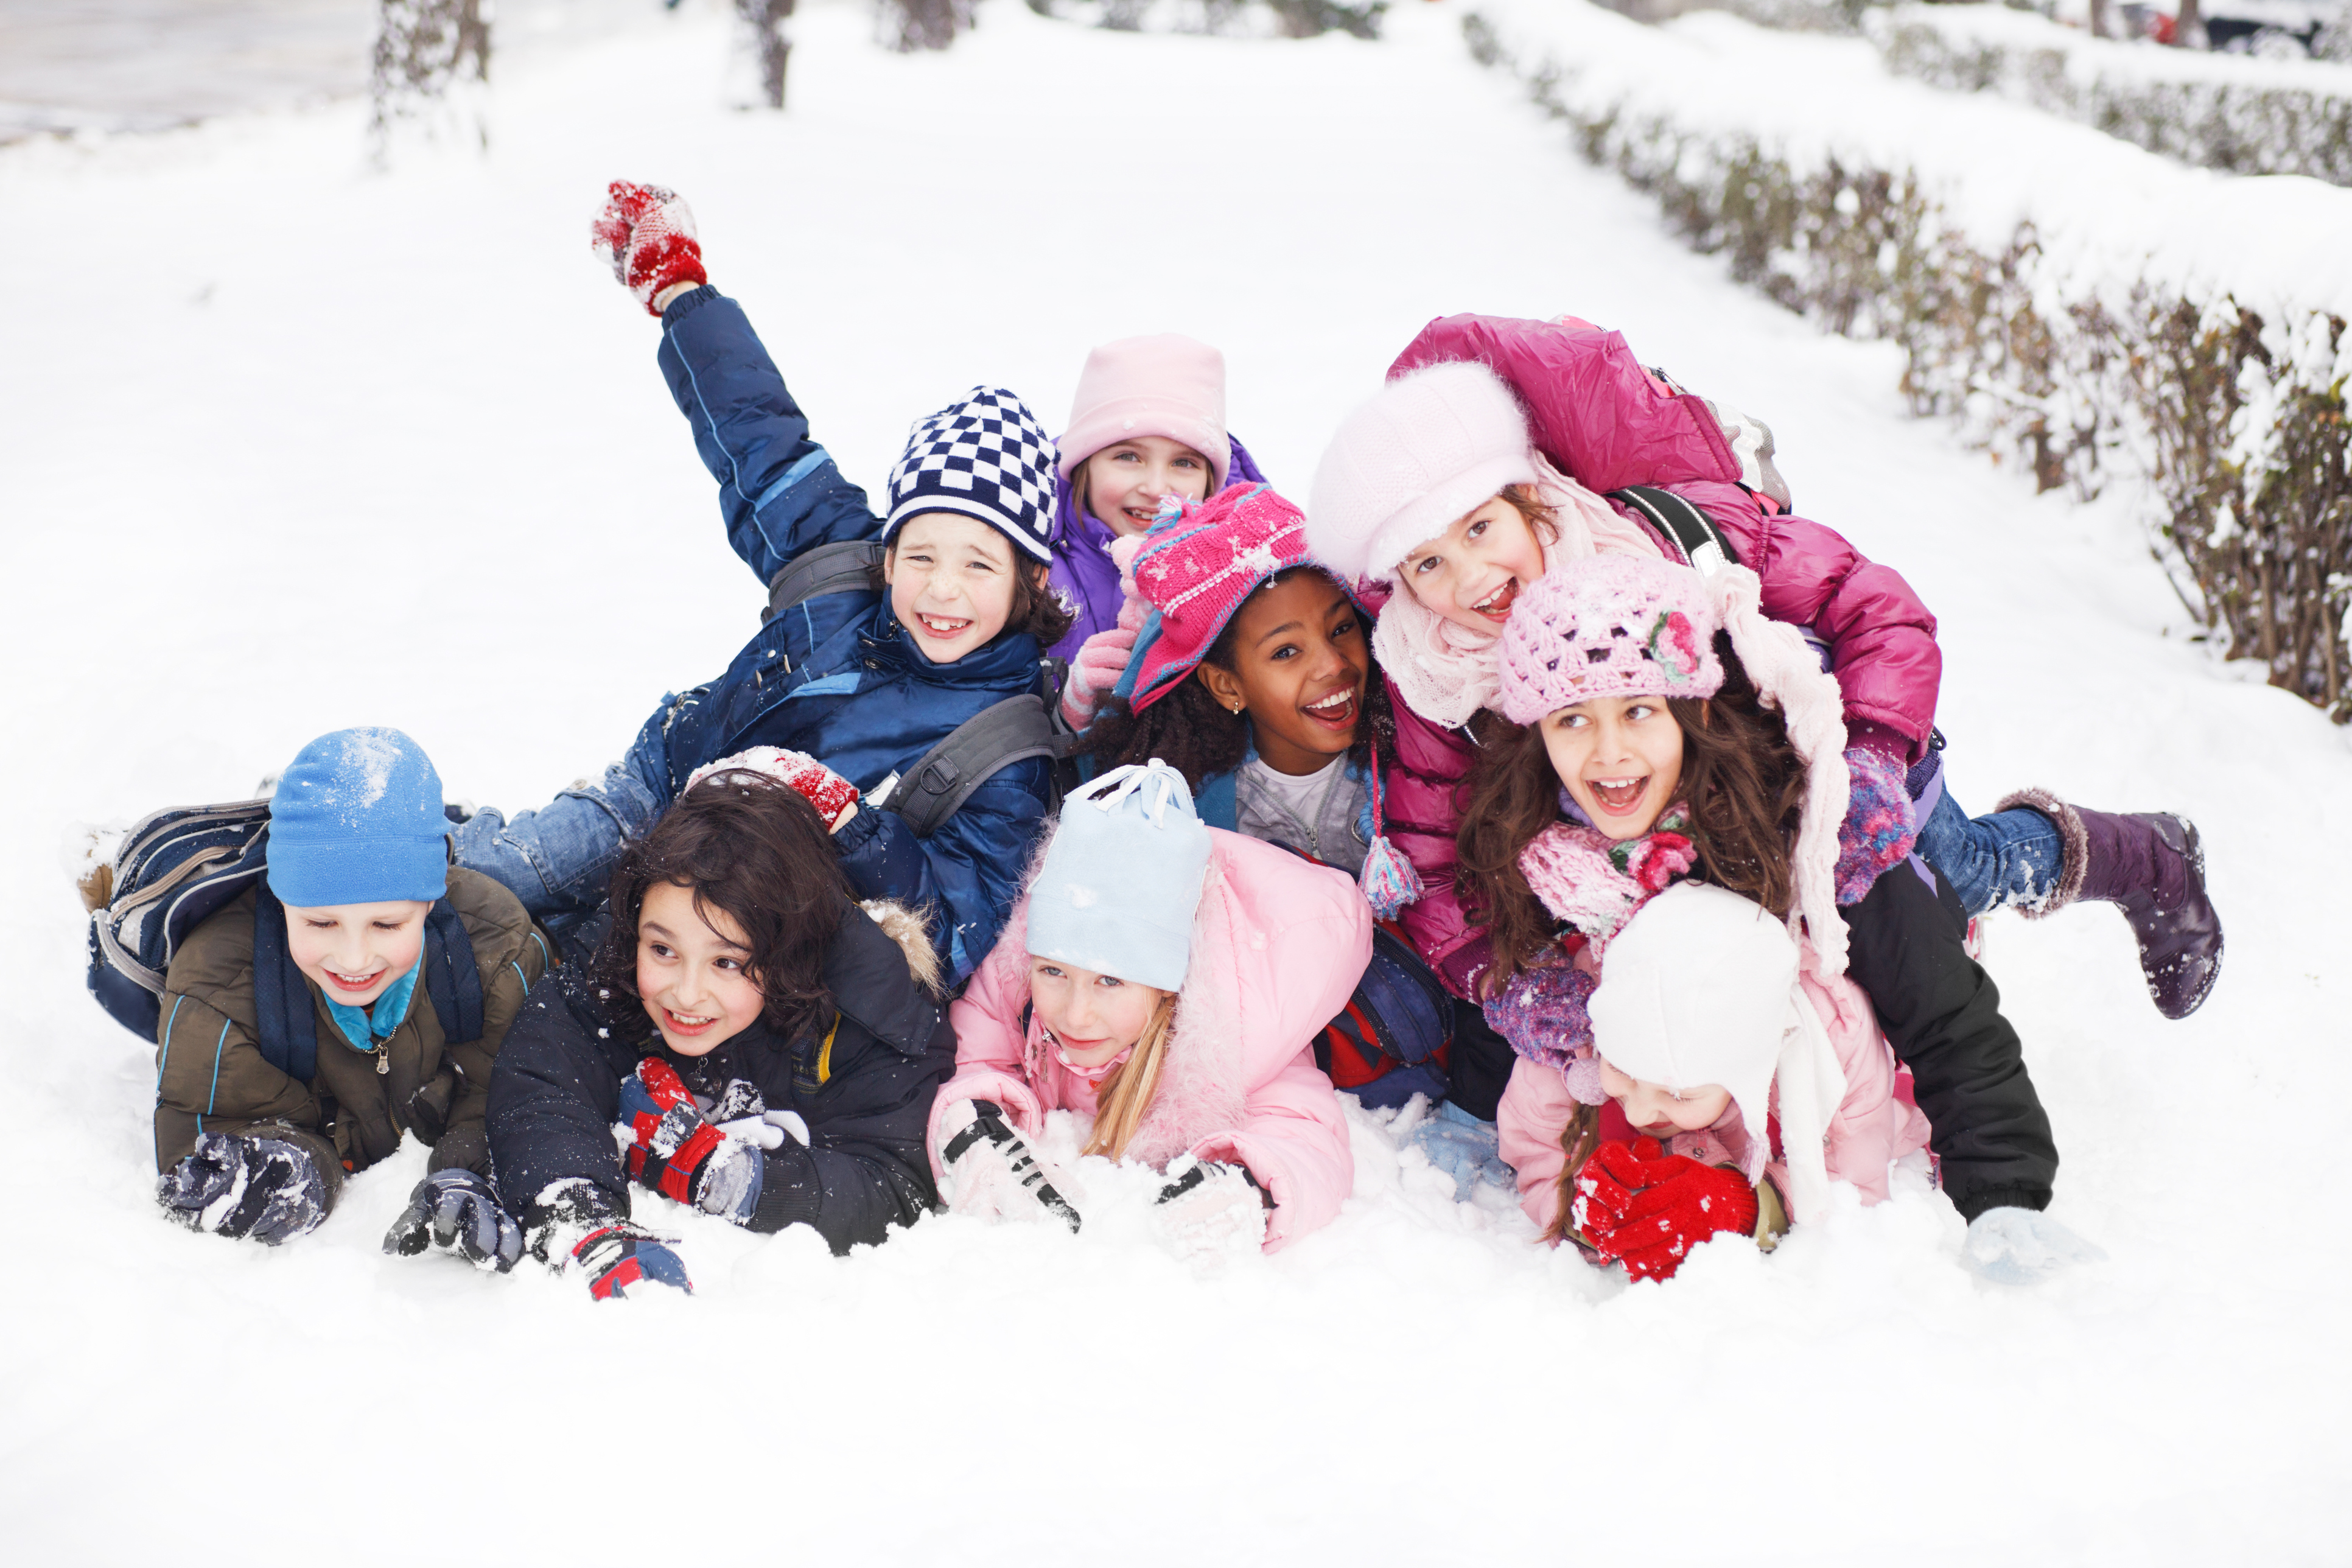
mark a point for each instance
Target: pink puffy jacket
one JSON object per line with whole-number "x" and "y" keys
{"x": 1601, "y": 419}
{"x": 1278, "y": 945}
{"x": 1873, "y": 1127}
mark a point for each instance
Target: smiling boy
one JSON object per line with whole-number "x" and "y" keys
{"x": 257, "y": 1147}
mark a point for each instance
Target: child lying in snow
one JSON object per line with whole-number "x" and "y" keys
{"x": 358, "y": 865}
{"x": 770, "y": 1046}
{"x": 1671, "y": 730}
{"x": 867, "y": 672}
{"x": 1166, "y": 979}
{"x": 1709, "y": 1021}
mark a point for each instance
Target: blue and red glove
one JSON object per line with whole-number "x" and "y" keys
{"x": 680, "y": 1154}
{"x": 619, "y": 1256}
{"x": 1640, "y": 1206}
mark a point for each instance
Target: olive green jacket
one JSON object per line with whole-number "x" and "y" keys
{"x": 210, "y": 1075}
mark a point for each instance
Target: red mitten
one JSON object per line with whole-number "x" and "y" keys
{"x": 832, "y": 794}
{"x": 645, "y": 234}
{"x": 1102, "y": 659}
{"x": 1643, "y": 1208}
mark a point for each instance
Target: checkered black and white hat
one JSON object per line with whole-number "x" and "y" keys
{"x": 985, "y": 456}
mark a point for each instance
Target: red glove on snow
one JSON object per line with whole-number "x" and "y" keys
{"x": 832, "y": 794}
{"x": 1645, "y": 1208}
{"x": 645, "y": 234}
{"x": 1102, "y": 659}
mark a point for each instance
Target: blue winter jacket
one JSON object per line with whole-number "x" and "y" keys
{"x": 836, "y": 676}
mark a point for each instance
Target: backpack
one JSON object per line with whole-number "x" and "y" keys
{"x": 179, "y": 867}
{"x": 1394, "y": 1036}
{"x": 1687, "y": 531}
{"x": 930, "y": 792}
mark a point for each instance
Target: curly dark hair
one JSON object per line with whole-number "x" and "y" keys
{"x": 1036, "y": 609}
{"x": 755, "y": 849}
{"x": 1742, "y": 779}
{"x": 1198, "y": 736}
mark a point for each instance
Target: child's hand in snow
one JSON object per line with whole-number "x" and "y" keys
{"x": 991, "y": 1171}
{"x": 645, "y": 234}
{"x": 1645, "y": 1208}
{"x": 263, "y": 1188}
{"x": 2023, "y": 1247}
{"x": 1102, "y": 659}
{"x": 1212, "y": 1209}
{"x": 620, "y": 1258}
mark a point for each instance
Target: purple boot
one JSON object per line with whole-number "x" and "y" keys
{"x": 2151, "y": 865}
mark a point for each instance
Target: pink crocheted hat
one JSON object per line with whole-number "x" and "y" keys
{"x": 1608, "y": 625}
{"x": 1165, "y": 384}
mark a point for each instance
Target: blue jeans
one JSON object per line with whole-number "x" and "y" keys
{"x": 2010, "y": 858}
{"x": 559, "y": 860}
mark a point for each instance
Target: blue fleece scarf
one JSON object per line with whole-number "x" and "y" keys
{"x": 367, "y": 1030}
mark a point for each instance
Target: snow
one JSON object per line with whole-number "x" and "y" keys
{"x": 289, "y": 447}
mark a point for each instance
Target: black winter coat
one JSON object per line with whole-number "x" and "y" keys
{"x": 862, "y": 1075}
{"x": 1941, "y": 1013}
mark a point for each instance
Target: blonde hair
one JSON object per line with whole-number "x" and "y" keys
{"x": 1126, "y": 1093}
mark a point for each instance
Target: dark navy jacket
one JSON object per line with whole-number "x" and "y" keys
{"x": 836, "y": 676}
{"x": 862, "y": 1076}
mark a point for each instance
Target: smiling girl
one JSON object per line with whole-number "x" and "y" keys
{"x": 770, "y": 1047}
{"x": 1660, "y": 727}
{"x": 1165, "y": 979}
{"x": 908, "y": 623}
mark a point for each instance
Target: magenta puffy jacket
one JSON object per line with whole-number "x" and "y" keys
{"x": 1598, "y": 417}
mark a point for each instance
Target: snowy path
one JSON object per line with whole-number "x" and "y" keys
{"x": 284, "y": 446}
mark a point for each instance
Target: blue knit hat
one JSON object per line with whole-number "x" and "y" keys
{"x": 357, "y": 820}
{"x": 987, "y": 457}
{"x": 1122, "y": 879}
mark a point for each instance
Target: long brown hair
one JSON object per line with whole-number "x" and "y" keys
{"x": 1741, "y": 779}
{"x": 1578, "y": 1139}
{"x": 755, "y": 849}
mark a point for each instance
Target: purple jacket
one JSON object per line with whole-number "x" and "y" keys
{"x": 1605, "y": 422}
{"x": 1083, "y": 570}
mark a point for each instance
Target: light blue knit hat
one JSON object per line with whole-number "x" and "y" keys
{"x": 357, "y": 820}
{"x": 1122, "y": 879}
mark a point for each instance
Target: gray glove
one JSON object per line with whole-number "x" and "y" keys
{"x": 455, "y": 1211}
{"x": 263, "y": 1188}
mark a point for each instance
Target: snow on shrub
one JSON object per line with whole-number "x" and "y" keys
{"x": 430, "y": 66}
{"x": 2247, "y": 115}
{"x": 2098, "y": 314}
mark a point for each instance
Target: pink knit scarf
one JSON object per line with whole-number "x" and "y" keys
{"x": 1595, "y": 882}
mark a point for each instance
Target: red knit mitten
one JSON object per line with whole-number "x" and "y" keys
{"x": 645, "y": 234}
{"x": 1643, "y": 1208}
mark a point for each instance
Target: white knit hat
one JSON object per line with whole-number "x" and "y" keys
{"x": 1701, "y": 987}
{"x": 1428, "y": 449}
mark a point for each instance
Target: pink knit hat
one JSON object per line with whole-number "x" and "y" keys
{"x": 1431, "y": 448}
{"x": 1166, "y": 384}
{"x": 1611, "y": 625}
{"x": 1195, "y": 570}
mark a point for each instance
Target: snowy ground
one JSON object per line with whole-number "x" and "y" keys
{"x": 286, "y": 446}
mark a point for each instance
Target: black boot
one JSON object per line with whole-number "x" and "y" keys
{"x": 2151, "y": 865}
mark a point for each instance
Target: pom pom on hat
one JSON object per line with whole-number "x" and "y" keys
{"x": 357, "y": 820}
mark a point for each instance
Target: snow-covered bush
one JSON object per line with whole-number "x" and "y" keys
{"x": 764, "y": 25}
{"x": 907, "y": 26}
{"x": 431, "y": 60}
{"x": 2232, "y": 426}
{"x": 2247, "y": 115}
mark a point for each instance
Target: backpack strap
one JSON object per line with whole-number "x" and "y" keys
{"x": 972, "y": 752}
{"x": 1690, "y": 531}
{"x": 451, "y": 977}
{"x": 282, "y": 1012}
{"x": 841, "y": 568}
